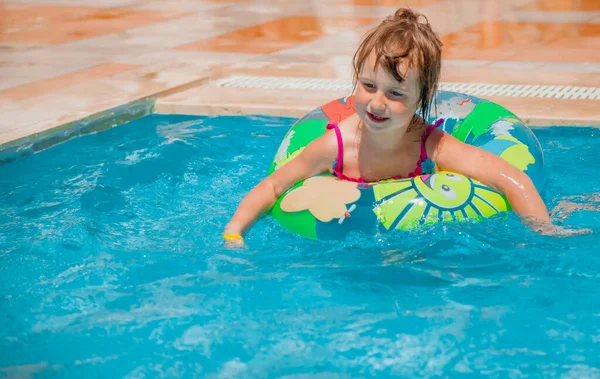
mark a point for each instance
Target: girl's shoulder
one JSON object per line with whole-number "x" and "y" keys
{"x": 434, "y": 137}
{"x": 349, "y": 127}
{"x": 350, "y": 123}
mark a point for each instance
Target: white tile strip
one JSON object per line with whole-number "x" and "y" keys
{"x": 475, "y": 89}
{"x": 278, "y": 82}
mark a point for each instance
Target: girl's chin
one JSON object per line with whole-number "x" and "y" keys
{"x": 376, "y": 126}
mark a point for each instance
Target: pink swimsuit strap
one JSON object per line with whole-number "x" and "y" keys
{"x": 338, "y": 167}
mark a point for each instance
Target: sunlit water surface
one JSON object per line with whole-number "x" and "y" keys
{"x": 111, "y": 265}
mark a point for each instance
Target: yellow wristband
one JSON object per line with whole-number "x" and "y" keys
{"x": 232, "y": 237}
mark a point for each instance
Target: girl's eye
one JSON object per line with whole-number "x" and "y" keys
{"x": 369, "y": 85}
{"x": 396, "y": 93}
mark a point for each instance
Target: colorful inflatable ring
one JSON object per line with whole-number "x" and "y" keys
{"x": 324, "y": 207}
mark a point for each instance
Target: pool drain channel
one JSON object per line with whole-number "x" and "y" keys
{"x": 475, "y": 89}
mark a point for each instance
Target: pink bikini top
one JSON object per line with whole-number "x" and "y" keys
{"x": 338, "y": 165}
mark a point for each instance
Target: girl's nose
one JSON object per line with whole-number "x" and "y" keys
{"x": 378, "y": 102}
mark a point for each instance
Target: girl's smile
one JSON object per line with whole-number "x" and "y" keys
{"x": 376, "y": 119}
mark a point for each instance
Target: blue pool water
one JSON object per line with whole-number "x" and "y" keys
{"x": 111, "y": 265}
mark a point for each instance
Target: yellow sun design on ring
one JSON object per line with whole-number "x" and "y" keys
{"x": 432, "y": 198}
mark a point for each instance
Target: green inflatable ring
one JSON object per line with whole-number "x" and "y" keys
{"x": 324, "y": 207}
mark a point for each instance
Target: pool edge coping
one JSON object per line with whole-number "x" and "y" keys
{"x": 94, "y": 123}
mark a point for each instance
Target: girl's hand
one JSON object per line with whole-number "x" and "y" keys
{"x": 549, "y": 229}
{"x": 233, "y": 240}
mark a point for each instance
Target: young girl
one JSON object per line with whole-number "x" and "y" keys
{"x": 396, "y": 70}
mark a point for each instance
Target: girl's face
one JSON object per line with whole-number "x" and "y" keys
{"x": 383, "y": 103}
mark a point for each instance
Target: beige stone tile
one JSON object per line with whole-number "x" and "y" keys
{"x": 552, "y": 112}
{"x": 12, "y": 81}
{"x": 525, "y": 41}
{"x": 276, "y": 9}
{"x": 586, "y": 67}
{"x": 50, "y": 56}
{"x": 303, "y": 58}
{"x": 207, "y": 59}
{"x": 290, "y": 69}
{"x": 39, "y": 113}
{"x": 80, "y": 52}
{"x": 565, "y": 54}
{"x": 156, "y": 78}
{"x": 465, "y": 63}
{"x": 51, "y": 24}
{"x": 24, "y": 66}
{"x": 387, "y": 3}
{"x": 181, "y": 5}
{"x": 472, "y": 53}
{"x": 509, "y": 75}
{"x": 326, "y": 9}
{"x": 342, "y": 43}
{"x": 574, "y": 68}
{"x": 452, "y": 16}
{"x": 585, "y": 36}
{"x": 233, "y": 101}
{"x": 170, "y": 33}
{"x": 41, "y": 87}
{"x": 276, "y": 35}
{"x": 488, "y": 35}
{"x": 77, "y": 3}
{"x": 563, "y": 5}
{"x": 332, "y": 66}
{"x": 553, "y": 17}
{"x": 19, "y": 74}
{"x": 337, "y": 66}
{"x": 10, "y": 46}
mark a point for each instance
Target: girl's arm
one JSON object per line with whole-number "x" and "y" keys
{"x": 316, "y": 158}
{"x": 451, "y": 154}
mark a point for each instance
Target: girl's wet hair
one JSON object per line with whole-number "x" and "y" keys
{"x": 405, "y": 35}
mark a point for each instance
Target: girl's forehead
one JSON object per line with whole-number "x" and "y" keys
{"x": 373, "y": 68}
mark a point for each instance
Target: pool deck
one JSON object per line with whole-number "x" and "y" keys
{"x": 69, "y": 62}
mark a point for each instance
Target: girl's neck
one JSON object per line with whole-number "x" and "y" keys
{"x": 387, "y": 140}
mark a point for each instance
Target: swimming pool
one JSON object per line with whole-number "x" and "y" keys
{"x": 111, "y": 265}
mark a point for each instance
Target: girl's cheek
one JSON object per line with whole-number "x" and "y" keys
{"x": 359, "y": 102}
